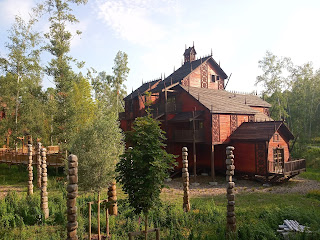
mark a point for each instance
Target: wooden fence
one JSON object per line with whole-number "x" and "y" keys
{"x": 10, "y": 157}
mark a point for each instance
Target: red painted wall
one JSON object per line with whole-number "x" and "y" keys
{"x": 244, "y": 157}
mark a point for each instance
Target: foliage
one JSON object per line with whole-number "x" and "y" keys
{"x": 109, "y": 90}
{"x": 98, "y": 147}
{"x": 20, "y": 88}
{"x": 258, "y": 217}
{"x": 121, "y": 72}
{"x": 294, "y": 92}
{"x": 60, "y": 66}
{"x": 145, "y": 165}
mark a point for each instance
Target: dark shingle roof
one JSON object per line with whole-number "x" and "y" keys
{"x": 180, "y": 73}
{"x": 219, "y": 101}
{"x": 260, "y": 131}
{"x": 144, "y": 87}
{"x": 250, "y": 99}
{"x": 177, "y": 76}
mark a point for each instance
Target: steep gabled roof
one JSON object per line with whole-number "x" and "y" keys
{"x": 250, "y": 99}
{"x": 260, "y": 131}
{"x": 185, "y": 70}
{"x": 219, "y": 101}
{"x": 143, "y": 88}
{"x": 177, "y": 76}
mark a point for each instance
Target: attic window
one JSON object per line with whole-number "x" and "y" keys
{"x": 213, "y": 79}
{"x": 276, "y": 137}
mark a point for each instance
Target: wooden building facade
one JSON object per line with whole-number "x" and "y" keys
{"x": 196, "y": 111}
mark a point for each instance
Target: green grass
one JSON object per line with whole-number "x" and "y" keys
{"x": 258, "y": 214}
{"x": 311, "y": 174}
{"x": 14, "y": 175}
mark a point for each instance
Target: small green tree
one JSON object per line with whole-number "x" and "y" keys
{"x": 144, "y": 166}
{"x": 98, "y": 147}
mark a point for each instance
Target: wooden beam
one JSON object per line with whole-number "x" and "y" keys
{"x": 171, "y": 86}
{"x": 194, "y": 149}
{"x": 213, "y": 175}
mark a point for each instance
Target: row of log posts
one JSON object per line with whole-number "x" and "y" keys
{"x": 72, "y": 190}
{"x": 42, "y": 176}
{"x": 44, "y": 180}
{"x": 185, "y": 177}
{"x": 231, "y": 218}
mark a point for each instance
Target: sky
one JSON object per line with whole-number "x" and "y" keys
{"x": 154, "y": 34}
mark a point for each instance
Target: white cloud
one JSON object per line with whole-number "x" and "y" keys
{"x": 136, "y": 20}
{"x": 9, "y": 9}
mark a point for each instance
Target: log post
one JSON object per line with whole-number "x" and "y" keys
{"x": 231, "y": 218}
{"x": 30, "y": 168}
{"x": 89, "y": 220}
{"x": 98, "y": 215}
{"x": 44, "y": 179}
{"x": 185, "y": 177}
{"x": 112, "y": 199}
{"x": 72, "y": 190}
{"x": 39, "y": 168}
{"x": 107, "y": 223}
{"x": 157, "y": 233}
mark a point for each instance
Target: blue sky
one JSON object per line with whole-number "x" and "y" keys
{"x": 154, "y": 33}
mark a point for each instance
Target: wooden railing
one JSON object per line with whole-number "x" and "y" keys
{"x": 187, "y": 135}
{"x": 295, "y": 165}
{"x": 54, "y": 159}
{"x": 288, "y": 168}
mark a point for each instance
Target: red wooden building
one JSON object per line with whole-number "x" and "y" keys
{"x": 196, "y": 111}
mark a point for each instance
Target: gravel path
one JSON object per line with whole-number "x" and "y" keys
{"x": 295, "y": 185}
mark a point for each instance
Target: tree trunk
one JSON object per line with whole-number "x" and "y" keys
{"x": 146, "y": 226}
{"x": 99, "y": 235}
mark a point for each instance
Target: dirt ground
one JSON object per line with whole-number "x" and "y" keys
{"x": 294, "y": 185}
{"x": 175, "y": 187}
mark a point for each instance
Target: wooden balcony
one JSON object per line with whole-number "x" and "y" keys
{"x": 187, "y": 136}
{"x": 290, "y": 168}
{"x": 294, "y": 167}
{"x": 158, "y": 108}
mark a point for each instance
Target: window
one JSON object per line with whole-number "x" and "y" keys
{"x": 218, "y": 78}
{"x": 276, "y": 137}
{"x": 213, "y": 78}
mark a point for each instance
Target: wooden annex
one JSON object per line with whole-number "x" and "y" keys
{"x": 197, "y": 112}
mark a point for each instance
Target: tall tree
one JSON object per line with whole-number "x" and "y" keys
{"x": 304, "y": 101}
{"x": 23, "y": 76}
{"x": 60, "y": 66}
{"x": 121, "y": 72}
{"x": 110, "y": 90}
{"x": 275, "y": 80}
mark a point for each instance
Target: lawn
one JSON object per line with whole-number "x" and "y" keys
{"x": 258, "y": 213}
